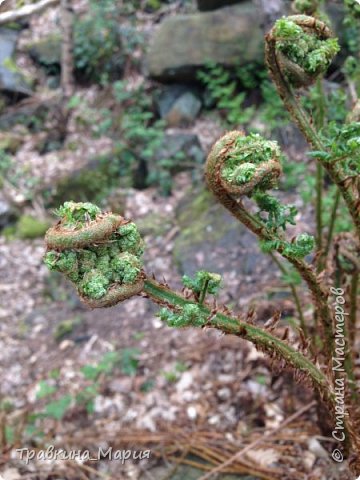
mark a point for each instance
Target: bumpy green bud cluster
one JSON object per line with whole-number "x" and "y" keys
{"x": 99, "y": 253}
{"x": 203, "y": 280}
{"x": 188, "y": 316}
{"x": 303, "y": 53}
{"x": 250, "y": 164}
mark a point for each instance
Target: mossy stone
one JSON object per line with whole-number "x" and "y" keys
{"x": 47, "y": 52}
{"x": 29, "y": 227}
{"x": 212, "y": 239}
{"x": 199, "y": 218}
{"x": 182, "y": 44}
{"x": 10, "y": 142}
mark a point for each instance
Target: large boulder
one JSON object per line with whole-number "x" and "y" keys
{"x": 206, "y": 5}
{"x": 211, "y": 238}
{"x": 12, "y": 82}
{"x": 184, "y": 43}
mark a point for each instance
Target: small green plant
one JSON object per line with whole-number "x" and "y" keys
{"x": 97, "y": 43}
{"x": 223, "y": 92}
{"x": 139, "y": 146}
{"x": 242, "y": 172}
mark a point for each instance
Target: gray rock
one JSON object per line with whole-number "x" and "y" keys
{"x": 184, "y": 43}
{"x": 179, "y": 105}
{"x": 6, "y": 211}
{"x": 11, "y": 80}
{"x": 183, "y": 148}
{"x": 184, "y": 111}
{"x": 211, "y": 239}
{"x": 206, "y": 5}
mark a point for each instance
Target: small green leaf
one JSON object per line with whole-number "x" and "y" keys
{"x": 44, "y": 390}
{"x": 58, "y": 408}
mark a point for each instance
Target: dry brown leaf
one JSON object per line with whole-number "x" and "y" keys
{"x": 263, "y": 457}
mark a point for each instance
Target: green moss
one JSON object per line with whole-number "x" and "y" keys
{"x": 88, "y": 185}
{"x": 194, "y": 219}
{"x": 29, "y": 227}
{"x": 66, "y": 328}
{"x": 9, "y": 232}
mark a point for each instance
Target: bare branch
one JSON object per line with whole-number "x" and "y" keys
{"x": 26, "y": 11}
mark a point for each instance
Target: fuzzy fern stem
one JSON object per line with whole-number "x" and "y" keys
{"x": 265, "y": 341}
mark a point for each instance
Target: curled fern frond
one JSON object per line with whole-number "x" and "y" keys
{"x": 247, "y": 164}
{"x": 301, "y": 47}
{"x": 99, "y": 252}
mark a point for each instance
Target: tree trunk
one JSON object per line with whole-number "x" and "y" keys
{"x": 67, "y": 57}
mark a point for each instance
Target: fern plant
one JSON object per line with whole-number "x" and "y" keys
{"x": 101, "y": 253}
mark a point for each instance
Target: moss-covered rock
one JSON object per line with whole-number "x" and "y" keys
{"x": 10, "y": 142}
{"x": 212, "y": 239}
{"x": 47, "y": 52}
{"x": 29, "y": 227}
{"x": 184, "y": 43}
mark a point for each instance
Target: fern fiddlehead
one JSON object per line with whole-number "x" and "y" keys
{"x": 299, "y": 49}
{"x": 99, "y": 253}
{"x": 238, "y": 166}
